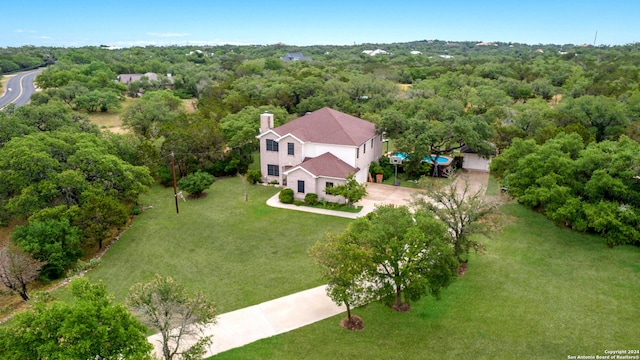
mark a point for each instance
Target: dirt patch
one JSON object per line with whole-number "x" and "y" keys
{"x": 404, "y": 307}
{"x": 3, "y": 81}
{"x": 117, "y": 130}
{"x": 190, "y": 105}
{"x": 356, "y": 323}
{"x": 462, "y": 269}
{"x": 196, "y": 197}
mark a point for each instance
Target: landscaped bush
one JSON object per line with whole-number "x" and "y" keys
{"x": 375, "y": 168}
{"x": 286, "y": 196}
{"x": 135, "y": 210}
{"x": 387, "y": 168}
{"x": 254, "y": 176}
{"x": 427, "y": 169}
{"x": 311, "y": 199}
{"x": 196, "y": 183}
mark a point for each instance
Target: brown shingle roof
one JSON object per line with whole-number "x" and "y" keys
{"x": 328, "y": 165}
{"x": 328, "y": 126}
{"x": 129, "y": 78}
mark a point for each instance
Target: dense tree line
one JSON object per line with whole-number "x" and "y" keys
{"x": 71, "y": 183}
{"x": 15, "y": 59}
{"x": 588, "y": 187}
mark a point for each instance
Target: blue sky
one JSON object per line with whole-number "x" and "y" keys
{"x": 141, "y": 22}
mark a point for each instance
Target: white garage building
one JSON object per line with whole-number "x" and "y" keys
{"x": 472, "y": 161}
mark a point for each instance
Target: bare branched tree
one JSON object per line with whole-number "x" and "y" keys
{"x": 466, "y": 212}
{"x": 180, "y": 317}
{"x": 18, "y": 269}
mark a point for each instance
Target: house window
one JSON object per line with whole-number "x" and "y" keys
{"x": 328, "y": 184}
{"x": 273, "y": 170}
{"x": 272, "y": 145}
{"x": 358, "y": 152}
{"x": 301, "y": 186}
{"x": 364, "y": 148}
{"x": 290, "y": 149}
{"x": 372, "y": 143}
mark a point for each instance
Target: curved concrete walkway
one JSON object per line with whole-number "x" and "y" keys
{"x": 240, "y": 327}
{"x": 376, "y": 194}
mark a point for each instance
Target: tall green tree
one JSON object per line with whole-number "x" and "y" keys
{"x": 196, "y": 142}
{"x": 55, "y": 242}
{"x": 100, "y": 215}
{"x": 148, "y": 114}
{"x": 92, "y": 326}
{"x": 466, "y": 213}
{"x": 94, "y": 100}
{"x": 408, "y": 255}
{"x": 435, "y": 128}
{"x": 605, "y": 117}
{"x": 345, "y": 266}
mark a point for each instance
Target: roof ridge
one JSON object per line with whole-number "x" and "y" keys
{"x": 335, "y": 113}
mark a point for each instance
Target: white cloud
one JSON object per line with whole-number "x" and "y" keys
{"x": 168, "y": 34}
{"x": 182, "y": 42}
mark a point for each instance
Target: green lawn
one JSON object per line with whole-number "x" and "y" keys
{"x": 538, "y": 292}
{"x": 239, "y": 253}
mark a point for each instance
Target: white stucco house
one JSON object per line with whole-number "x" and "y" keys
{"x": 317, "y": 150}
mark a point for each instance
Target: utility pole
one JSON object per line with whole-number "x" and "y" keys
{"x": 175, "y": 188}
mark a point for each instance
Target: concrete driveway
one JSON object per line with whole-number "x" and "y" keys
{"x": 379, "y": 194}
{"x": 397, "y": 195}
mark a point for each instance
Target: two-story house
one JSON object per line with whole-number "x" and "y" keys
{"x": 317, "y": 150}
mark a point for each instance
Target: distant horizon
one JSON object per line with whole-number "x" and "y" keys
{"x": 110, "y": 47}
{"x": 123, "y": 24}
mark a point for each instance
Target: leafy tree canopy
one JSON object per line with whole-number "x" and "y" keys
{"x": 90, "y": 327}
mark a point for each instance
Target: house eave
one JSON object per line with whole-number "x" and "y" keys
{"x": 270, "y": 131}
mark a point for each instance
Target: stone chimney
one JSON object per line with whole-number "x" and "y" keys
{"x": 266, "y": 122}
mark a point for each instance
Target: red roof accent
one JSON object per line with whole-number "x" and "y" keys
{"x": 328, "y": 165}
{"x": 328, "y": 126}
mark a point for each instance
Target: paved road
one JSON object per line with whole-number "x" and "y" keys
{"x": 19, "y": 88}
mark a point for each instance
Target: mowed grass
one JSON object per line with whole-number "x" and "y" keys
{"x": 538, "y": 292}
{"x": 238, "y": 253}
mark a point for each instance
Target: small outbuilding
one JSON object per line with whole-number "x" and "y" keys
{"x": 473, "y": 161}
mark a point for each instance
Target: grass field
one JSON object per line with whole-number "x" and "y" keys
{"x": 238, "y": 253}
{"x": 539, "y": 292}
